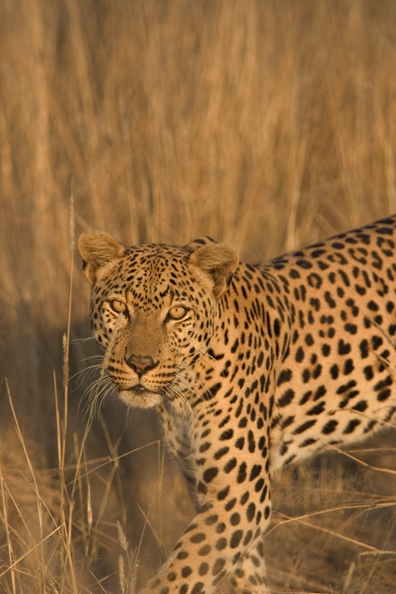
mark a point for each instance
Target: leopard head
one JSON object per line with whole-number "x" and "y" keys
{"x": 153, "y": 310}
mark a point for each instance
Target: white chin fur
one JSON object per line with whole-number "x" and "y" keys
{"x": 140, "y": 399}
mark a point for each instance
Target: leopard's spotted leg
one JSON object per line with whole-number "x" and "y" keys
{"x": 251, "y": 576}
{"x": 212, "y": 548}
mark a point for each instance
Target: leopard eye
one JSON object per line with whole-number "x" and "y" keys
{"x": 117, "y": 306}
{"x": 177, "y": 312}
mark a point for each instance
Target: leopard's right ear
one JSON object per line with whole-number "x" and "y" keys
{"x": 98, "y": 251}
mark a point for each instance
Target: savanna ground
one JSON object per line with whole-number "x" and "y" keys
{"x": 268, "y": 124}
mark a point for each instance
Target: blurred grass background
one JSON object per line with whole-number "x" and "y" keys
{"x": 268, "y": 124}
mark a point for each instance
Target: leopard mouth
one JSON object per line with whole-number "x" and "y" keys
{"x": 138, "y": 389}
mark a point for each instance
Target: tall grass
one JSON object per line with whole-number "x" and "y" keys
{"x": 267, "y": 124}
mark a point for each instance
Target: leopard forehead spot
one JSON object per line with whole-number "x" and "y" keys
{"x": 250, "y": 368}
{"x": 150, "y": 268}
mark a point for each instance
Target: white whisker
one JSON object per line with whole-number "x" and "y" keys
{"x": 96, "y": 393}
{"x": 82, "y": 340}
{"x": 82, "y": 374}
{"x": 189, "y": 380}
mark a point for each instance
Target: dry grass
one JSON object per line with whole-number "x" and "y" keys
{"x": 268, "y": 124}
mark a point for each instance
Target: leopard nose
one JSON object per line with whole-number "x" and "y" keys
{"x": 141, "y": 365}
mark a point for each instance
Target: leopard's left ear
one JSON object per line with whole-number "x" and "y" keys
{"x": 219, "y": 261}
{"x": 99, "y": 250}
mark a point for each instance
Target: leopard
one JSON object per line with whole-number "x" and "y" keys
{"x": 251, "y": 367}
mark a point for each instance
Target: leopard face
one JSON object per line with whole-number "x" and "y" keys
{"x": 250, "y": 368}
{"x": 153, "y": 310}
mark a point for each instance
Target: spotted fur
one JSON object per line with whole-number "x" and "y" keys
{"x": 250, "y": 367}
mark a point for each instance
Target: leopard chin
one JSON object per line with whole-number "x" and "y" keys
{"x": 140, "y": 397}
